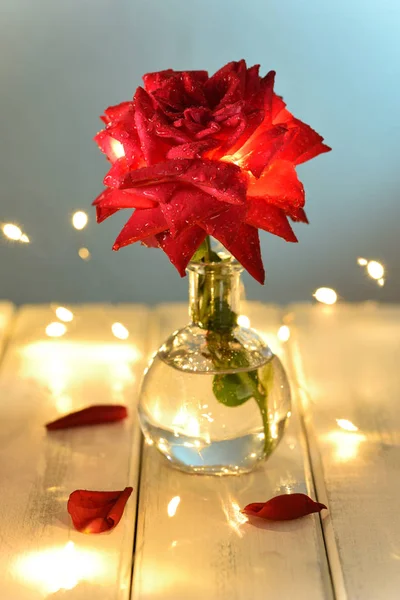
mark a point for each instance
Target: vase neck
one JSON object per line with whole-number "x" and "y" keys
{"x": 214, "y": 295}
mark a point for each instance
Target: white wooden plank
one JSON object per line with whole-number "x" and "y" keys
{"x": 346, "y": 359}
{"x": 204, "y": 550}
{"x": 41, "y": 555}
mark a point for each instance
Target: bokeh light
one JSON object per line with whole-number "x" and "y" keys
{"x": 325, "y": 295}
{"x": 120, "y": 331}
{"x": 79, "y": 219}
{"x": 283, "y": 333}
{"x": 346, "y": 425}
{"x": 55, "y": 329}
{"x": 84, "y": 253}
{"x": 243, "y": 321}
{"x": 375, "y": 269}
{"x": 64, "y": 314}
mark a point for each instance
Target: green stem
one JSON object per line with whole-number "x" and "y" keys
{"x": 261, "y": 400}
{"x": 208, "y": 252}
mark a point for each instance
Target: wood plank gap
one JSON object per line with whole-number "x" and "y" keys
{"x": 135, "y": 535}
{"x": 314, "y": 461}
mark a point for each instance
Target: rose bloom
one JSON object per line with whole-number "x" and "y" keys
{"x": 195, "y": 155}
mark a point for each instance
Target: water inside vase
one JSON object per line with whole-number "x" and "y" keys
{"x": 182, "y": 417}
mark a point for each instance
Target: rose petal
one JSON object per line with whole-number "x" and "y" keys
{"x": 263, "y": 147}
{"x": 304, "y": 143}
{"x": 284, "y": 507}
{"x": 279, "y": 185}
{"x": 298, "y": 215}
{"x": 225, "y": 181}
{"x": 190, "y": 207}
{"x": 123, "y": 199}
{"x": 192, "y": 149}
{"x": 110, "y": 201}
{"x": 240, "y": 239}
{"x": 246, "y": 249}
{"x": 181, "y": 248}
{"x": 153, "y": 147}
{"x": 96, "y": 512}
{"x": 92, "y": 415}
{"x": 115, "y": 113}
{"x": 266, "y": 216}
{"x": 143, "y": 223}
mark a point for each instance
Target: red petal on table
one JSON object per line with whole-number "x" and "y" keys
{"x": 270, "y": 218}
{"x": 181, "y": 248}
{"x": 284, "y": 507}
{"x": 96, "y": 512}
{"x": 143, "y": 223}
{"x": 225, "y": 181}
{"x": 279, "y": 185}
{"x": 92, "y": 415}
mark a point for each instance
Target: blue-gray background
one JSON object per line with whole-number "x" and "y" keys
{"x": 62, "y": 62}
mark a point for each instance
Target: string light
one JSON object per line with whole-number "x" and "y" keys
{"x": 283, "y": 333}
{"x": 362, "y": 262}
{"x": 173, "y": 505}
{"x": 325, "y": 295}
{"x": 346, "y": 425}
{"x": 243, "y": 321}
{"x": 55, "y": 329}
{"x": 13, "y": 232}
{"x": 84, "y": 253}
{"x": 64, "y": 314}
{"x": 79, "y": 219}
{"x": 375, "y": 269}
{"x": 120, "y": 331}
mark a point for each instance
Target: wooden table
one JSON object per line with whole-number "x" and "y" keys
{"x": 343, "y": 365}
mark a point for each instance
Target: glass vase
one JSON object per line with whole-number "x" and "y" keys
{"x": 214, "y": 399}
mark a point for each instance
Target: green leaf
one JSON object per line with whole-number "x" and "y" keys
{"x": 234, "y": 389}
{"x": 200, "y": 253}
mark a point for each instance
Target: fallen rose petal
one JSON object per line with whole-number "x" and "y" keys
{"x": 92, "y": 415}
{"x": 284, "y": 508}
{"x": 96, "y": 512}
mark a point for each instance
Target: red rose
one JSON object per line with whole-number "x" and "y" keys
{"x": 197, "y": 155}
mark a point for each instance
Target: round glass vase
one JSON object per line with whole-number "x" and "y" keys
{"x": 214, "y": 399}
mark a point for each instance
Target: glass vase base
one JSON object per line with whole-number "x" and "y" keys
{"x": 220, "y": 457}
